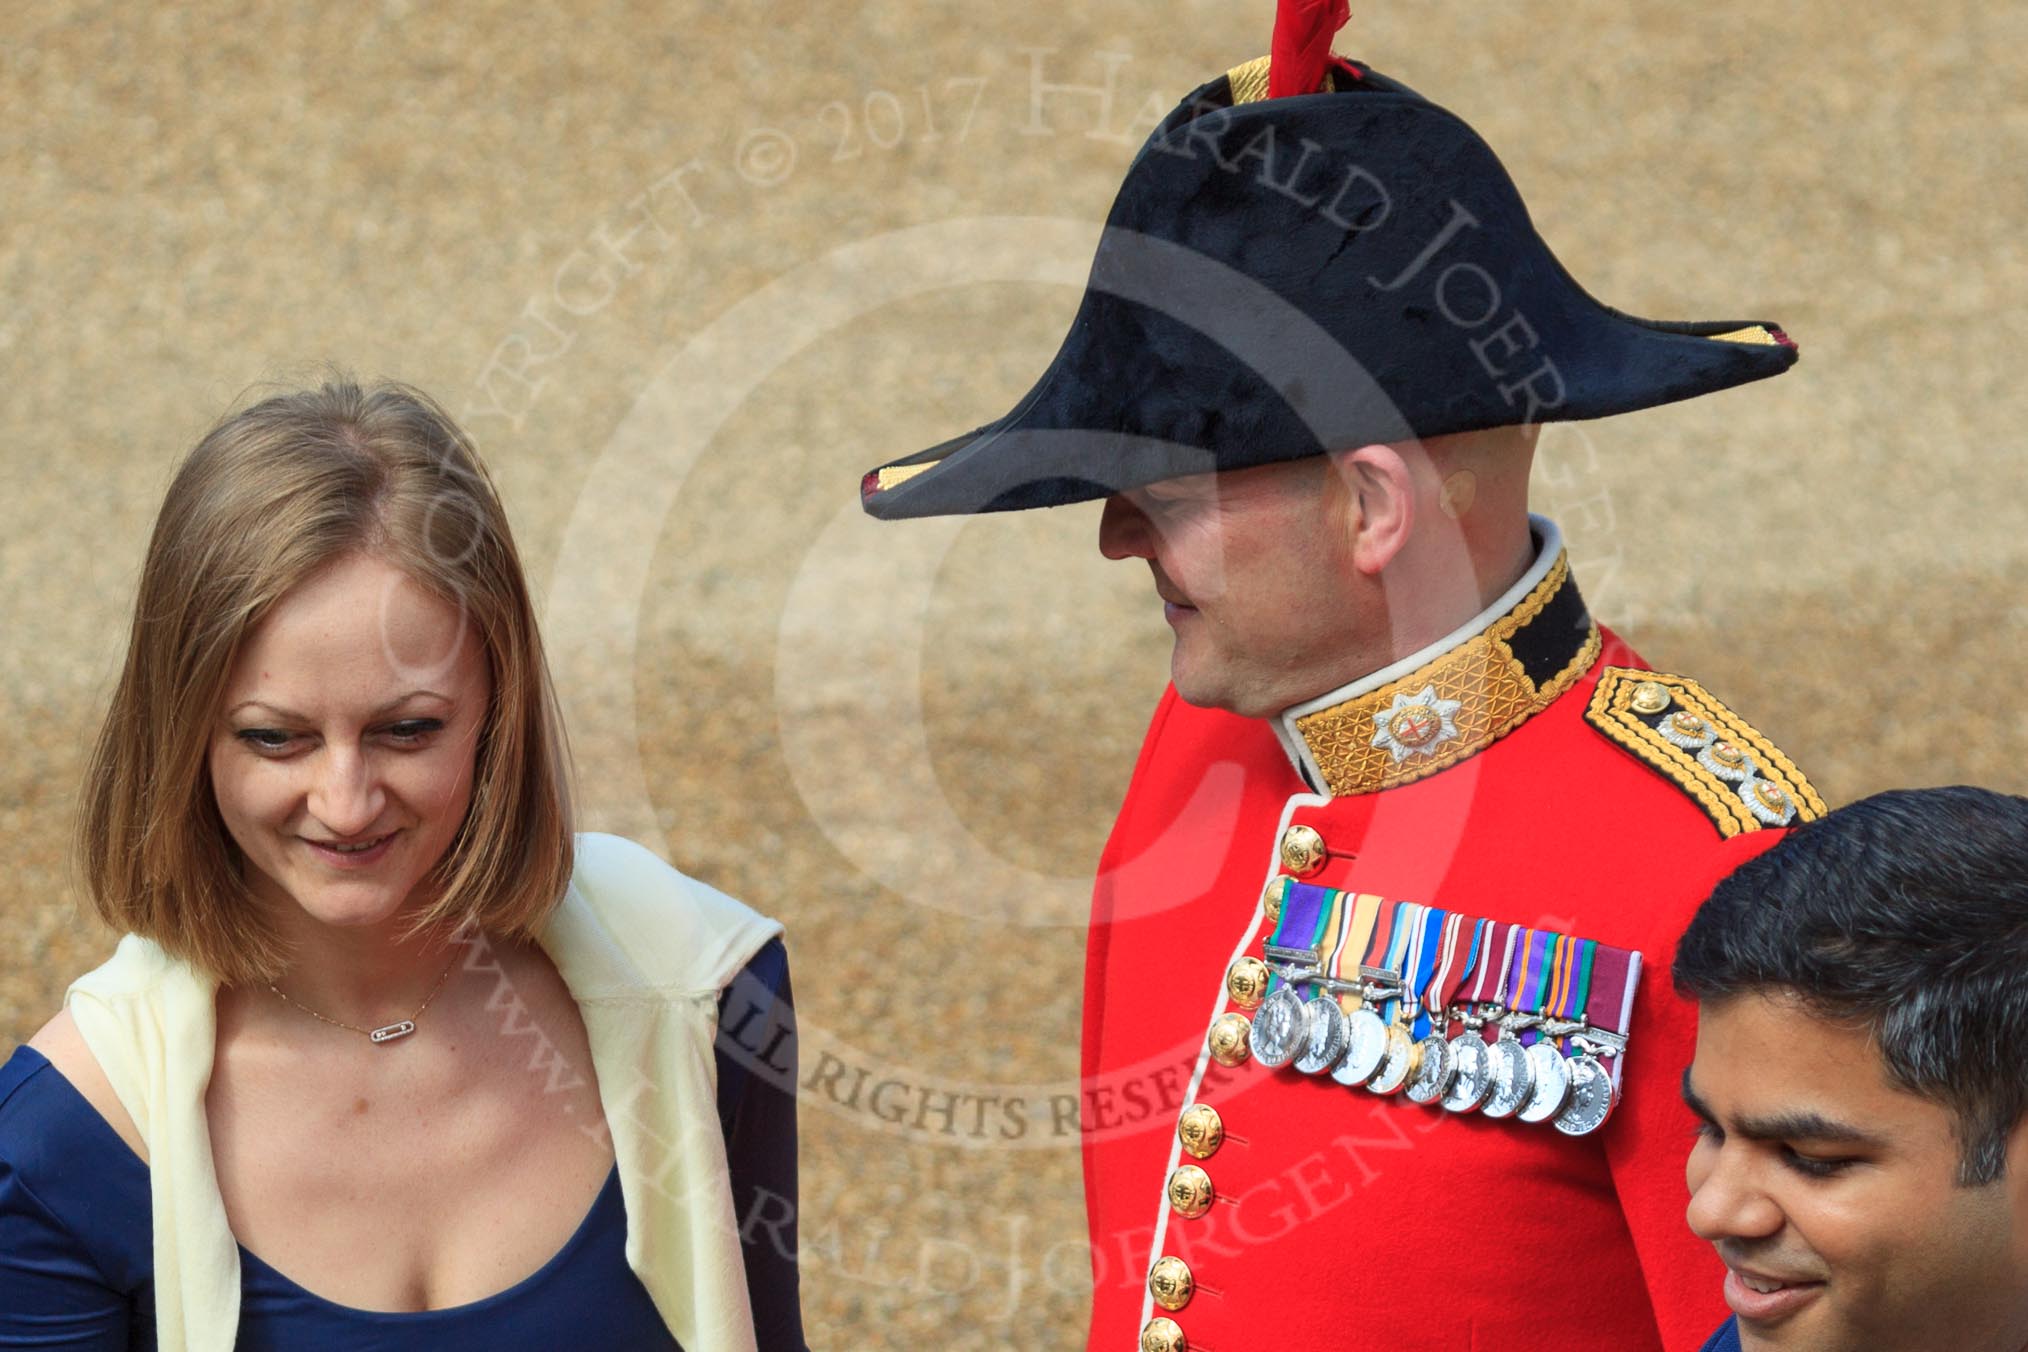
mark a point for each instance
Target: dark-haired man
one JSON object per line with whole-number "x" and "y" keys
{"x": 1862, "y": 1167}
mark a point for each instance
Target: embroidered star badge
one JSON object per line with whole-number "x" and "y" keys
{"x": 1416, "y": 725}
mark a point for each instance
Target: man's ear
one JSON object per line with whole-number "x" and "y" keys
{"x": 1377, "y": 489}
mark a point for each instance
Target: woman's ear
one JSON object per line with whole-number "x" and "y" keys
{"x": 1377, "y": 489}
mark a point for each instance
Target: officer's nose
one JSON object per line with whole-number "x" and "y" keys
{"x": 347, "y": 798}
{"x": 1726, "y": 1198}
{"x": 1124, "y": 530}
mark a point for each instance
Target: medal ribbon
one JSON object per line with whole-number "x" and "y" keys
{"x": 1555, "y": 976}
{"x": 1489, "y": 984}
{"x": 1511, "y": 965}
{"x": 1329, "y": 934}
{"x": 1382, "y": 942}
{"x": 1503, "y": 987}
{"x": 1305, "y": 911}
{"x": 1558, "y": 985}
{"x": 1407, "y": 918}
{"x": 1531, "y": 974}
{"x": 1460, "y": 955}
{"x": 1574, "y": 985}
{"x": 1355, "y": 933}
{"x": 1422, "y": 963}
{"x": 1615, "y": 975}
{"x": 1433, "y": 1000}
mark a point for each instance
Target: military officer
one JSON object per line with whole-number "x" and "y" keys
{"x": 1368, "y": 1058}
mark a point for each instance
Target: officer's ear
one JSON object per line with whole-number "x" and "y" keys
{"x": 1377, "y": 491}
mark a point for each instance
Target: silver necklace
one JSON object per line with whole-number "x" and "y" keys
{"x": 387, "y": 1032}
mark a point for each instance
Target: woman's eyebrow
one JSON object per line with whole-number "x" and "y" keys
{"x": 291, "y": 715}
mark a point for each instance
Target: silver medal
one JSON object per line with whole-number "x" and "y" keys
{"x": 1513, "y": 1077}
{"x": 1324, "y": 1035}
{"x": 1277, "y": 1029}
{"x": 1398, "y": 1065}
{"x": 1552, "y": 1083}
{"x": 1365, "y": 1048}
{"x": 1473, "y": 1079}
{"x": 1591, "y": 1098}
{"x": 1433, "y": 1070}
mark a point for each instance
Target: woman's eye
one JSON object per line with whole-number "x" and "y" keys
{"x": 264, "y": 739}
{"x": 415, "y": 729}
{"x": 1709, "y": 1131}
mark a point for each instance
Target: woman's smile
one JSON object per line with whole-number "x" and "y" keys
{"x": 359, "y": 854}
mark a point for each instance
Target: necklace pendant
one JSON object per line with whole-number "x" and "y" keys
{"x": 391, "y": 1031}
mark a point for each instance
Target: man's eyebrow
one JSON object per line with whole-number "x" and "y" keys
{"x": 1801, "y": 1125}
{"x": 292, "y": 716}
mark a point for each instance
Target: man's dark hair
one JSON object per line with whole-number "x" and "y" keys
{"x": 1905, "y": 913}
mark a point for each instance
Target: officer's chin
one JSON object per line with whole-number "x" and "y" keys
{"x": 1204, "y": 685}
{"x": 1193, "y": 686}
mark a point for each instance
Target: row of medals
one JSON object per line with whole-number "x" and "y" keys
{"x": 1463, "y": 1074}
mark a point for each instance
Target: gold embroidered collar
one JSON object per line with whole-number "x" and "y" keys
{"x": 1456, "y": 697}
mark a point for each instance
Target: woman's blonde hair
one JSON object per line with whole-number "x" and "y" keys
{"x": 268, "y": 497}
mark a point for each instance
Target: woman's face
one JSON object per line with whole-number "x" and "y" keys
{"x": 343, "y": 755}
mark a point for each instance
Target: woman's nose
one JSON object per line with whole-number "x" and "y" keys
{"x": 347, "y": 797}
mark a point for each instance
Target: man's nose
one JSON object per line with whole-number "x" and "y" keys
{"x": 1124, "y": 530}
{"x": 347, "y": 797}
{"x": 1729, "y": 1203}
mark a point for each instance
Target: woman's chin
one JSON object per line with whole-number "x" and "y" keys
{"x": 350, "y": 906}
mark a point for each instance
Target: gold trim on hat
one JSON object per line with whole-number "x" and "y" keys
{"x": 885, "y": 479}
{"x": 1754, "y": 334}
{"x": 1249, "y": 83}
{"x": 1493, "y": 692}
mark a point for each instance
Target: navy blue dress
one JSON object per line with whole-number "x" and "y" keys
{"x": 76, "y": 1243}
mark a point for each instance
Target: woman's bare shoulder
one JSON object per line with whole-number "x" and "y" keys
{"x": 64, "y": 1046}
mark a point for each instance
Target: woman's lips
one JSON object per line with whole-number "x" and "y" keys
{"x": 1748, "y": 1303}
{"x": 353, "y": 858}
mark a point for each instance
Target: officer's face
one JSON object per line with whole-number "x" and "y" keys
{"x": 1832, "y": 1196}
{"x": 1254, "y": 569}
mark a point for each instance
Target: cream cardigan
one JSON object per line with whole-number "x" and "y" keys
{"x": 644, "y": 950}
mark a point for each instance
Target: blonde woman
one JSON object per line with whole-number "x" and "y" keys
{"x": 387, "y": 1057}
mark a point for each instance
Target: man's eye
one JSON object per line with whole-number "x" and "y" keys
{"x": 1710, "y": 1131}
{"x": 1813, "y": 1166}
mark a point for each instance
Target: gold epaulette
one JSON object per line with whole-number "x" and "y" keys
{"x": 1740, "y": 778}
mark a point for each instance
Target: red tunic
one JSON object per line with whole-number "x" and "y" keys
{"x": 1342, "y": 1220}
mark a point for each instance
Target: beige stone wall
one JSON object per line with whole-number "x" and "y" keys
{"x": 659, "y": 258}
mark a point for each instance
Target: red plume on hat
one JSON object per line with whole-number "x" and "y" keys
{"x": 1302, "y": 44}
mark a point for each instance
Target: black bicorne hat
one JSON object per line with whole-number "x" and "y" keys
{"x": 1282, "y": 277}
